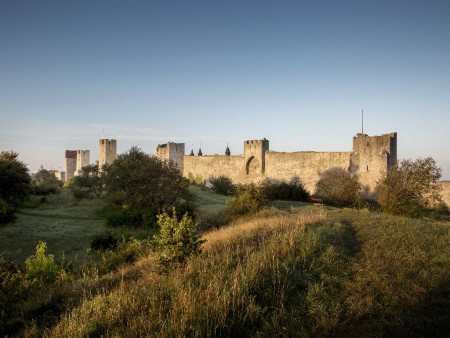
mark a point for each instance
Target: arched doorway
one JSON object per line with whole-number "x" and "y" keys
{"x": 253, "y": 166}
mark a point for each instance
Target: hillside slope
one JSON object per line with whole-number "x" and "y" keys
{"x": 304, "y": 272}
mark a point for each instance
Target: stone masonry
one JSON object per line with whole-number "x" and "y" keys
{"x": 371, "y": 156}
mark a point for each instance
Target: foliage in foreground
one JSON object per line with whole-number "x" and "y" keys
{"x": 338, "y": 187}
{"x": 177, "y": 240}
{"x": 410, "y": 186}
{"x": 347, "y": 273}
{"x": 14, "y": 184}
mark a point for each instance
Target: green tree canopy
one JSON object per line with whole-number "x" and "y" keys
{"x": 45, "y": 182}
{"x": 337, "y": 186}
{"x": 409, "y": 186}
{"x": 150, "y": 186}
{"x": 14, "y": 177}
{"x": 91, "y": 178}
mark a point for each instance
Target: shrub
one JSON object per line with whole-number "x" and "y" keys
{"x": 6, "y": 212}
{"x": 45, "y": 183}
{"x": 177, "y": 240}
{"x": 248, "y": 200}
{"x": 292, "y": 191}
{"x": 104, "y": 242}
{"x": 338, "y": 187}
{"x": 127, "y": 251}
{"x": 40, "y": 267}
{"x": 409, "y": 187}
{"x": 118, "y": 216}
{"x": 222, "y": 185}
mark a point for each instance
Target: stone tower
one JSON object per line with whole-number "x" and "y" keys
{"x": 107, "y": 151}
{"x": 71, "y": 163}
{"x": 83, "y": 159}
{"x": 255, "y": 156}
{"x": 372, "y": 156}
{"x": 172, "y": 152}
{"x": 75, "y": 160}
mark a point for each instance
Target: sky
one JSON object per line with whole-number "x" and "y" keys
{"x": 208, "y": 73}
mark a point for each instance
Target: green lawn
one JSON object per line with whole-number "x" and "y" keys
{"x": 66, "y": 225}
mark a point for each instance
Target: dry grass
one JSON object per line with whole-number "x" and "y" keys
{"x": 305, "y": 272}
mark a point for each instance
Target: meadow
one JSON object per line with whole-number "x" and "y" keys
{"x": 291, "y": 270}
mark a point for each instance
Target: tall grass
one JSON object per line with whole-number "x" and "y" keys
{"x": 305, "y": 272}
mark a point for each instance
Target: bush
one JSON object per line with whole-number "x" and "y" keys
{"x": 338, "y": 187}
{"x": 409, "y": 187}
{"x": 292, "y": 191}
{"x": 6, "y": 212}
{"x": 40, "y": 267}
{"x": 118, "y": 216}
{"x": 104, "y": 242}
{"x": 177, "y": 240}
{"x": 127, "y": 251}
{"x": 45, "y": 183}
{"x": 248, "y": 200}
{"x": 222, "y": 185}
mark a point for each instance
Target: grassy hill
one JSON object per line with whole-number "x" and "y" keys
{"x": 296, "y": 271}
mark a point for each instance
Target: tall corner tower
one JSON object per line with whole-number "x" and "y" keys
{"x": 372, "y": 156}
{"x": 107, "y": 151}
{"x": 255, "y": 156}
{"x": 173, "y": 152}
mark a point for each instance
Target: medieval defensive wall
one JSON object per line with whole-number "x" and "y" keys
{"x": 370, "y": 156}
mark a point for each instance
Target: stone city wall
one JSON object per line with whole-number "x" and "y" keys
{"x": 445, "y": 192}
{"x": 204, "y": 167}
{"x": 305, "y": 165}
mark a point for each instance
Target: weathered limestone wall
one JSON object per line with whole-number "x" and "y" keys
{"x": 445, "y": 186}
{"x": 107, "y": 151}
{"x": 83, "y": 159}
{"x": 372, "y": 155}
{"x": 204, "y": 167}
{"x": 172, "y": 151}
{"x": 304, "y": 165}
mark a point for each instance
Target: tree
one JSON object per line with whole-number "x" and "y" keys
{"x": 338, "y": 187}
{"x": 45, "y": 182}
{"x": 177, "y": 240}
{"x": 91, "y": 179}
{"x": 150, "y": 186}
{"x": 14, "y": 178}
{"x": 409, "y": 186}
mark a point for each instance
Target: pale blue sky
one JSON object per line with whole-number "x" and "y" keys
{"x": 295, "y": 72}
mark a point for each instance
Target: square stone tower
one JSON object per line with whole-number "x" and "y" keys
{"x": 255, "y": 156}
{"x": 107, "y": 151}
{"x": 71, "y": 163}
{"x": 172, "y": 152}
{"x": 372, "y": 156}
{"x": 83, "y": 159}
